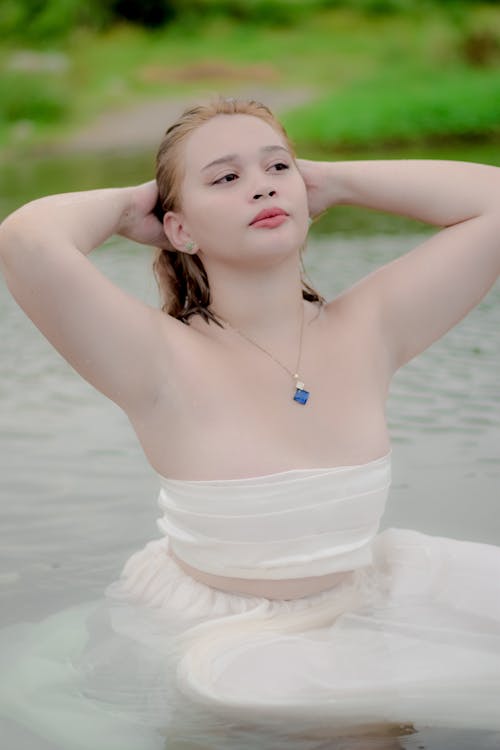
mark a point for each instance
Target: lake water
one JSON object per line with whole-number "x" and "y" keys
{"x": 77, "y": 495}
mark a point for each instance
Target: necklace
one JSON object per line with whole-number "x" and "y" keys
{"x": 300, "y": 394}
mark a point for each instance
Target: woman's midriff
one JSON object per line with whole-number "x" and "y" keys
{"x": 291, "y": 588}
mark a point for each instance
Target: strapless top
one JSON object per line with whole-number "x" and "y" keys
{"x": 292, "y": 524}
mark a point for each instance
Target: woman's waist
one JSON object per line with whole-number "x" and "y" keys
{"x": 284, "y": 588}
{"x": 306, "y": 566}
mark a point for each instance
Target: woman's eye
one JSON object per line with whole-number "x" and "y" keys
{"x": 280, "y": 166}
{"x": 230, "y": 177}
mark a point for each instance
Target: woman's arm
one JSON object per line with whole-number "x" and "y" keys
{"x": 435, "y": 192}
{"x": 112, "y": 339}
{"x": 85, "y": 220}
{"x": 418, "y": 297}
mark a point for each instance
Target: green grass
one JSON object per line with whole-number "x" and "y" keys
{"x": 27, "y": 97}
{"x": 397, "y": 107}
{"x": 375, "y": 79}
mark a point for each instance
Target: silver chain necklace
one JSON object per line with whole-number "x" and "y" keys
{"x": 300, "y": 394}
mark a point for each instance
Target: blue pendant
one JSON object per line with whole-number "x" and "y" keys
{"x": 300, "y": 395}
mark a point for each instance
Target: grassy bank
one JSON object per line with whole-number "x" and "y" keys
{"x": 397, "y": 107}
{"x": 375, "y": 79}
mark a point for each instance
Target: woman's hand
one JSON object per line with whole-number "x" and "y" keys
{"x": 320, "y": 186}
{"x": 138, "y": 221}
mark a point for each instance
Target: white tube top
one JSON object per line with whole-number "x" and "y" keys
{"x": 292, "y": 524}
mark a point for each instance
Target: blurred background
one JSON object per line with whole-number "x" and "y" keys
{"x": 86, "y": 77}
{"x": 87, "y": 88}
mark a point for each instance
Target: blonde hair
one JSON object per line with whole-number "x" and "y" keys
{"x": 182, "y": 279}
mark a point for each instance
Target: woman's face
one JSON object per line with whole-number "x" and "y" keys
{"x": 235, "y": 168}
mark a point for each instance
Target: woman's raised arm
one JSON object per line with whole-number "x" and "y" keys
{"x": 112, "y": 339}
{"x": 416, "y": 298}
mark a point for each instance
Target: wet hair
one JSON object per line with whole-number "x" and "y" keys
{"x": 181, "y": 277}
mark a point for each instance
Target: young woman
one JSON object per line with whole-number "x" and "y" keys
{"x": 270, "y": 611}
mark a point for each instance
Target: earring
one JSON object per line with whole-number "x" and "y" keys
{"x": 309, "y": 221}
{"x": 189, "y": 246}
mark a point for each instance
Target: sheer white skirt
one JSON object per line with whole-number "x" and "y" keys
{"x": 165, "y": 661}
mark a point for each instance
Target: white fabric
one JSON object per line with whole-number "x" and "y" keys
{"x": 292, "y": 524}
{"x": 166, "y": 662}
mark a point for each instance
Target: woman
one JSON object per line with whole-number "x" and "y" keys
{"x": 270, "y": 613}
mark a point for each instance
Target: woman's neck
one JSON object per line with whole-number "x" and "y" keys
{"x": 260, "y": 302}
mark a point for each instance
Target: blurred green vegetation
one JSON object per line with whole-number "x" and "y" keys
{"x": 39, "y": 20}
{"x": 397, "y": 107}
{"x": 380, "y": 71}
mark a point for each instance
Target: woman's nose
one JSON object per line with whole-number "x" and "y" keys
{"x": 269, "y": 193}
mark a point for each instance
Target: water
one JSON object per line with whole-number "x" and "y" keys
{"x": 77, "y": 495}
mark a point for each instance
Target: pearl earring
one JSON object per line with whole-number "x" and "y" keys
{"x": 190, "y": 246}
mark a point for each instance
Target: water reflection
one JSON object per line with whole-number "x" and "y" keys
{"x": 383, "y": 737}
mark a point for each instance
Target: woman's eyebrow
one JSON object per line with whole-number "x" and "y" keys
{"x": 234, "y": 157}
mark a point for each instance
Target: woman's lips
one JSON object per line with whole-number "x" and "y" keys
{"x": 270, "y": 221}
{"x": 269, "y": 218}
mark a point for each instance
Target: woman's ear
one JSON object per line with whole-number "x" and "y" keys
{"x": 178, "y": 234}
